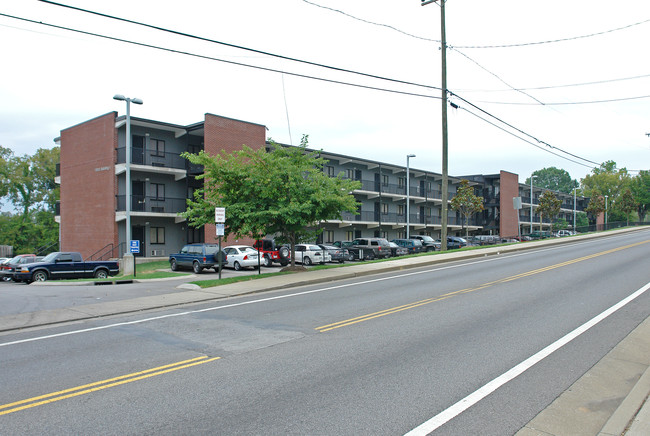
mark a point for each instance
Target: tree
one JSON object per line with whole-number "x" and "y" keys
{"x": 466, "y": 203}
{"x": 554, "y": 179}
{"x": 549, "y": 206}
{"x": 283, "y": 191}
{"x": 626, "y": 203}
{"x": 596, "y": 204}
{"x": 640, "y": 187}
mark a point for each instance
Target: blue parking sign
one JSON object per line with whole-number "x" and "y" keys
{"x": 134, "y": 246}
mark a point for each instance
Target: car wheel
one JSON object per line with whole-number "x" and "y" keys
{"x": 284, "y": 252}
{"x": 306, "y": 261}
{"x": 341, "y": 260}
{"x": 371, "y": 256}
{"x": 39, "y": 276}
{"x": 237, "y": 266}
{"x": 196, "y": 267}
{"x": 173, "y": 265}
{"x": 267, "y": 261}
{"x": 101, "y": 274}
{"x": 351, "y": 257}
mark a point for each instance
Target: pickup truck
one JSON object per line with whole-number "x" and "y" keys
{"x": 65, "y": 265}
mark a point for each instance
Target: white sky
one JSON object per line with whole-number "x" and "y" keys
{"x": 53, "y": 79}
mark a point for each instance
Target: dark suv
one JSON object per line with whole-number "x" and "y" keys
{"x": 414, "y": 246}
{"x": 371, "y": 248}
{"x": 197, "y": 257}
{"x": 428, "y": 243}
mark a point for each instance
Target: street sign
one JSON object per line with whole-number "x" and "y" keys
{"x": 134, "y": 246}
{"x": 219, "y": 214}
{"x": 220, "y": 229}
{"x": 516, "y": 202}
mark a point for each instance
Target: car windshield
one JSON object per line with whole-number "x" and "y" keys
{"x": 427, "y": 238}
{"x": 247, "y": 250}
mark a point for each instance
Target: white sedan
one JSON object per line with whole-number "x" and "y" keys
{"x": 240, "y": 256}
{"x": 309, "y": 253}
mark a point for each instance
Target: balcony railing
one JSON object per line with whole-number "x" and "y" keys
{"x": 415, "y": 190}
{"x": 141, "y": 203}
{"x": 394, "y": 218}
{"x": 167, "y": 160}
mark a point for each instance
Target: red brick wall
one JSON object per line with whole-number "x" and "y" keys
{"x": 227, "y": 134}
{"x": 509, "y": 223}
{"x": 88, "y": 185}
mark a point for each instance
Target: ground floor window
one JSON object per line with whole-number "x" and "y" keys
{"x": 328, "y": 236}
{"x": 157, "y": 235}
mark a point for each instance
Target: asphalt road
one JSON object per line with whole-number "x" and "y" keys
{"x": 377, "y": 355}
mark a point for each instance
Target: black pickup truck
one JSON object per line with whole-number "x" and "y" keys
{"x": 65, "y": 265}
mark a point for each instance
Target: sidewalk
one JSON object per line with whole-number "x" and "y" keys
{"x": 610, "y": 399}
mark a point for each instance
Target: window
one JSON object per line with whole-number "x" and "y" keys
{"x": 384, "y": 208}
{"x": 384, "y": 179}
{"x": 401, "y": 182}
{"x": 157, "y": 235}
{"x": 328, "y": 236}
{"x": 157, "y": 147}
{"x": 349, "y": 235}
{"x": 157, "y": 191}
{"x": 329, "y": 170}
{"x": 349, "y": 174}
{"x": 400, "y": 209}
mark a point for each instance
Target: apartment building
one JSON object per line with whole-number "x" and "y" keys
{"x": 93, "y": 180}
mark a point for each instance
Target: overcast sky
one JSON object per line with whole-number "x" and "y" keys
{"x": 561, "y": 56}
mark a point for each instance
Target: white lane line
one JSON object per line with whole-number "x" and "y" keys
{"x": 262, "y": 300}
{"x": 476, "y": 396}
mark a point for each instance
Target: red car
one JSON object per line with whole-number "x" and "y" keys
{"x": 8, "y": 268}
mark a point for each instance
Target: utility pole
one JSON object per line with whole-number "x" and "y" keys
{"x": 445, "y": 171}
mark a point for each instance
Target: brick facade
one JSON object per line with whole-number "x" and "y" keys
{"x": 509, "y": 188}
{"x": 88, "y": 185}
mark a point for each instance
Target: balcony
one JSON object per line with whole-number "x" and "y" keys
{"x": 152, "y": 206}
{"x": 162, "y": 160}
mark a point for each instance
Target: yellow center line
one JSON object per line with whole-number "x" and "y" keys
{"x": 393, "y": 310}
{"x": 99, "y": 385}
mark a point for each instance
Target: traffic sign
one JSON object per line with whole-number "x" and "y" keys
{"x": 220, "y": 229}
{"x": 134, "y": 246}
{"x": 219, "y": 214}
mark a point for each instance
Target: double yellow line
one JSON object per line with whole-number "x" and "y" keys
{"x": 368, "y": 317}
{"x": 6, "y": 409}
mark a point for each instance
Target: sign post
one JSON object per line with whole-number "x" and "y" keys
{"x": 219, "y": 220}
{"x": 134, "y": 247}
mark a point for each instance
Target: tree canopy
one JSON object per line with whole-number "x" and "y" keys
{"x": 283, "y": 192}
{"x": 554, "y": 179}
{"x": 549, "y": 207}
{"x": 466, "y": 202}
{"x": 640, "y": 187}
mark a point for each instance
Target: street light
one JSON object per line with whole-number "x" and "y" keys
{"x": 443, "y": 86}
{"x": 575, "y": 190}
{"x": 606, "y": 212}
{"x": 531, "y": 202}
{"x": 408, "y": 196}
{"x": 127, "y": 161}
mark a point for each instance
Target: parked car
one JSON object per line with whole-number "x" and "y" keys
{"x": 272, "y": 252}
{"x": 396, "y": 250}
{"x": 427, "y": 242}
{"x": 242, "y": 256}
{"x": 65, "y": 265}
{"x": 197, "y": 257}
{"x": 337, "y": 254}
{"x": 413, "y": 246}
{"x": 308, "y": 254}
{"x": 371, "y": 248}
{"x": 348, "y": 246}
{"x": 564, "y": 232}
{"x": 453, "y": 243}
{"x": 8, "y": 268}
{"x": 539, "y": 235}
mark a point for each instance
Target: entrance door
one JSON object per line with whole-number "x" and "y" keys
{"x": 137, "y": 195}
{"x": 137, "y": 233}
{"x": 137, "y": 149}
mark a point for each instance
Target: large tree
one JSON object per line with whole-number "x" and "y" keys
{"x": 283, "y": 192}
{"x": 609, "y": 181}
{"x": 466, "y": 203}
{"x": 554, "y": 179}
{"x": 549, "y": 207}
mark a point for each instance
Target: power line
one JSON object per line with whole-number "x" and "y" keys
{"x": 612, "y": 100}
{"x": 293, "y": 74}
{"x": 200, "y": 38}
{"x": 141, "y": 44}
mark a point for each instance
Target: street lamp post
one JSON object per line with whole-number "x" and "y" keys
{"x": 445, "y": 171}
{"x": 606, "y": 212}
{"x": 575, "y": 190}
{"x": 408, "y": 196}
{"x": 531, "y": 202}
{"x": 127, "y": 161}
